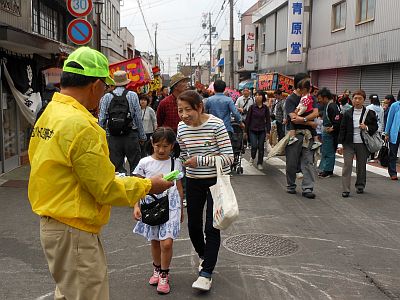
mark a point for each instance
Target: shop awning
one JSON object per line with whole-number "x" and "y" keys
{"x": 246, "y": 84}
{"x": 220, "y": 62}
{"x": 22, "y": 42}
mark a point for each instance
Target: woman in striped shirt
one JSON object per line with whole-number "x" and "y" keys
{"x": 202, "y": 137}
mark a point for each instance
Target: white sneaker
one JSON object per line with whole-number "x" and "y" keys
{"x": 200, "y": 264}
{"x": 260, "y": 167}
{"x": 251, "y": 160}
{"x": 184, "y": 202}
{"x": 299, "y": 175}
{"x": 202, "y": 284}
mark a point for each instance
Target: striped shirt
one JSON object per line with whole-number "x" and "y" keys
{"x": 206, "y": 141}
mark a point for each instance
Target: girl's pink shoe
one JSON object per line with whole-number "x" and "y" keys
{"x": 155, "y": 277}
{"x": 163, "y": 284}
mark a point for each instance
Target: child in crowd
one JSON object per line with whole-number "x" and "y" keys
{"x": 305, "y": 108}
{"x": 161, "y": 236}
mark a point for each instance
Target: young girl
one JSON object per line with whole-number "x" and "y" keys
{"x": 161, "y": 236}
{"x": 202, "y": 137}
{"x": 305, "y": 108}
{"x": 258, "y": 127}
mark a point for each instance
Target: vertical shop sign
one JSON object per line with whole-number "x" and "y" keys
{"x": 250, "y": 48}
{"x": 295, "y": 31}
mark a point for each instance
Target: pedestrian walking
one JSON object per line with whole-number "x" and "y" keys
{"x": 352, "y": 144}
{"x": 72, "y": 183}
{"x": 305, "y": 107}
{"x": 223, "y": 107}
{"x": 380, "y": 115}
{"x": 149, "y": 121}
{"x": 167, "y": 112}
{"x": 387, "y": 102}
{"x": 330, "y": 132}
{"x": 161, "y": 236}
{"x": 392, "y": 134}
{"x": 202, "y": 137}
{"x": 120, "y": 116}
{"x": 279, "y": 114}
{"x": 300, "y": 151}
{"x": 244, "y": 102}
{"x": 258, "y": 127}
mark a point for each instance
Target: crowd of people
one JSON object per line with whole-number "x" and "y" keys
{"x": 180, "y": 129}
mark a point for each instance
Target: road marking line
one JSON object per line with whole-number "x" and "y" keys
{"x": 372, "y": 169}
{"x": 249, "y": 169}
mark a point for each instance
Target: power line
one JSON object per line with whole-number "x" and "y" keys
{"x": 145, "y": 23}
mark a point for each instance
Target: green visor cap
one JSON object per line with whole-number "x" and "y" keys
{"x": 94, "y": 64}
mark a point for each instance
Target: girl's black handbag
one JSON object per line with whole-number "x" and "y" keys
{"x": 156, "y": 212}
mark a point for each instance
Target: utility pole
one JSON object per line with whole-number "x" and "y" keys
{"x": 210, "y": 41}
{"x": 231, "y": 42}
{"x": 211, "y": 34}
{"x": 155, "y": 47}
{"x": 179, "y": 58}
{"x": 190, "y": 63}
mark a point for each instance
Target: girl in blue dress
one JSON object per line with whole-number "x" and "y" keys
{"x": 161, "y": 236}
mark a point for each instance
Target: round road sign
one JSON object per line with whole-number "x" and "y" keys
{"x": 79, "y": 8}
{"x": 80, "y": 31}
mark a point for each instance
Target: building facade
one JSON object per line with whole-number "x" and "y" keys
{"x": 33, "y": 47}
{"x": 222, "y": 68}
{"x": 112, "y": 43}
{"x": 32, "y": 40}
{"x": 355, "y": 44}
{"x": 272, "y": 37}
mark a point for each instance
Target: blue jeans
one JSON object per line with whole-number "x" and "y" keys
{"x": 257, "y": 139}
{"x": 393, "y": 149}
{"x": 328, "y": 150}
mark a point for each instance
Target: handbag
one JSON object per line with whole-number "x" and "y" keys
{"x": 225, "y": 207}
{"x": 383, "y": 156}
{"x": 156, "y": 212}
{"x": 372, "y": 142}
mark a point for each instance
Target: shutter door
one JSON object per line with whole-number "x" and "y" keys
{"x": 348, "y": 79}
{"x": 376, "y": 79}
{"x": 327, "y": 78}
{"x": 396, "y": 80}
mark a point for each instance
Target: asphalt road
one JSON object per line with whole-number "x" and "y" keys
{"x": 296, "y": 248}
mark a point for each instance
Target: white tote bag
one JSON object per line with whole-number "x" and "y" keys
{"x": 225, "y": 209}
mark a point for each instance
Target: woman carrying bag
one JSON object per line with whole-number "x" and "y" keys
{"x": 202, "y": 138}
{"x": 351, "y": 142}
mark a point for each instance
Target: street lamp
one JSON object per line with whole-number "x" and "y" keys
{"x": 98, "y": 9}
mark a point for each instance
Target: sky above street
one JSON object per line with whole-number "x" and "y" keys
{"x": 179, "y": 24}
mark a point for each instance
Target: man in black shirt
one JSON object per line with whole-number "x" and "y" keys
{"x": 297, "y": 151}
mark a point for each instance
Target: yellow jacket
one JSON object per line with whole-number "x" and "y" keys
{"x": 72, "y": 178}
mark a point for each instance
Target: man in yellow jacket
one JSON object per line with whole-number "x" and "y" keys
{"x": 72, "y": 184}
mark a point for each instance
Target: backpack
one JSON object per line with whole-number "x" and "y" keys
{"x": 119, "y": 120}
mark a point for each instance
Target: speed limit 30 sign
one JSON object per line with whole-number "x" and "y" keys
{"x": 79, "y": 8}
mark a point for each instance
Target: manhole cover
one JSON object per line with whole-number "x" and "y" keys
{"x": 260, "y": 245}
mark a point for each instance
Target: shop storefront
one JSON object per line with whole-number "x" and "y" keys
{"x": 382, "y": 79}
{"x": 23, "y": 77}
